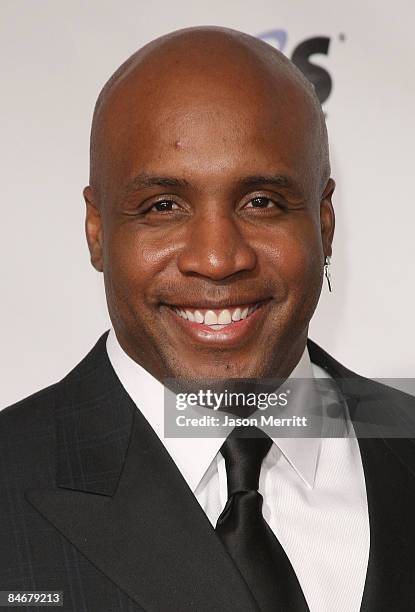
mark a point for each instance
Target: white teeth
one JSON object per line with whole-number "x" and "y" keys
{"x": 217, "y": 327}
{"x": 190, "y": 316}
{"x": 224, "y": 317}
{"x": 217, "y": 321}
{"x": 211, "y": 318}
{"x": 236, "y": 315}
{"x": 244, "y": 313}
{"x": 199, "y": 318}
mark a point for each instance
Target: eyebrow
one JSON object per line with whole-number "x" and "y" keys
{"x": 276, "y": 180}
{"x": 141, "y": 181}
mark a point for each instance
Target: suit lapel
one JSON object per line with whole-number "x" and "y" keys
{"x": 391, "y": 503}
{"x": 389, "y": 469}
{"x": 122, "y": 502}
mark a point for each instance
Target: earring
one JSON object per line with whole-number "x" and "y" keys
{"x": 327, "y": 271}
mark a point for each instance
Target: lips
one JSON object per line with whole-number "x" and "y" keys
{"x": 217, "y": 327}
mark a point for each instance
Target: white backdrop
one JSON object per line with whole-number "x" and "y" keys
{"x": 56, "y": 54}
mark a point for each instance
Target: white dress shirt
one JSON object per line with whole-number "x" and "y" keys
{"x": 313, "y": 488}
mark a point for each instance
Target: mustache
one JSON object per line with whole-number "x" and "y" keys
{"x": 222, "y": 292}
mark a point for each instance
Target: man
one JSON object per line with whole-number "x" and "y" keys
{"x": 209, "y": 211}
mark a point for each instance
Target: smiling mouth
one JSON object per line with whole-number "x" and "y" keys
{"x": 217, "y": 319}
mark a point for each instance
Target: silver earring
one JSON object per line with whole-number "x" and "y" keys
{"x": 327, "y": 271}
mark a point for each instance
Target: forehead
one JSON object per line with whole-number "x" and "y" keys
{"x": 219, "y": 122}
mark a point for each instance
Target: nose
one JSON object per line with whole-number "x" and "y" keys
{"x": 215, "y": 248}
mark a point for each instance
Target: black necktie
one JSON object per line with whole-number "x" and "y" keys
{"x": 246, "y": 535}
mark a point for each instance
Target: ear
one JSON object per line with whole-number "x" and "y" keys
{"x": 327, "y": 217}
{"x": 93, "y": 229}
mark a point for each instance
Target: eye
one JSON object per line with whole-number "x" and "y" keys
{"x": 164, "y": 206}
{"x": 261, "y": 202}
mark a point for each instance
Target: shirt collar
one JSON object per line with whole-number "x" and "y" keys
{"x": 193, "y": 456}
{"x": 301, "y": 453}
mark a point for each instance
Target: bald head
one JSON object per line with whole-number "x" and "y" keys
{"x": 187, "y": 68}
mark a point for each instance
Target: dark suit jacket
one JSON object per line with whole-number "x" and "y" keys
{"x": 92, "y": 504}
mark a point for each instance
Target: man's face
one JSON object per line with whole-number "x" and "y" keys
{"x": 210, "y": 230}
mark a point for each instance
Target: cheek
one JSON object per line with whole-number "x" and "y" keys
{"x": 294, "y": 257}
{"x": 134, "y": 259}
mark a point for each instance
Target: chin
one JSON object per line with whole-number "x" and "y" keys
{"x": 219, "y": 369}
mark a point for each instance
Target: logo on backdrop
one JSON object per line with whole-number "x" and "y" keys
{"x": 302, "y": 55}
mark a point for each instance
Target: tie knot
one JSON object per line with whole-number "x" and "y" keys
{"x": 243, "y": 451}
